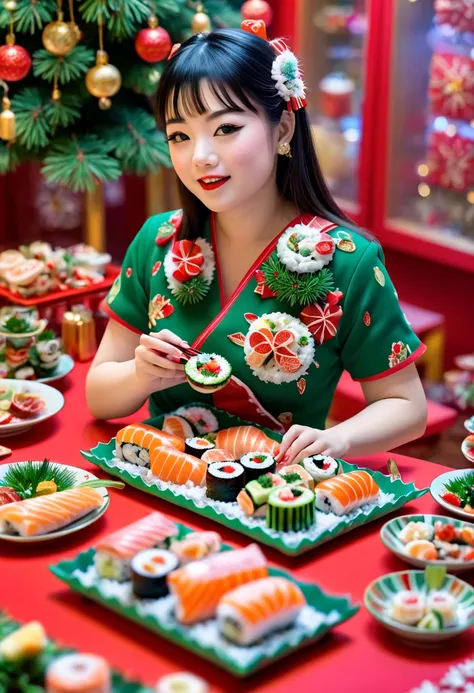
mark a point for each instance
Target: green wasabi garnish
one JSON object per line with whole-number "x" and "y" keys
{"x": 291, "y": 478}
{"x": 265, "y": 481}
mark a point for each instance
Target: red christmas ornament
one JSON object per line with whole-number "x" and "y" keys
{"x": 459, "y": 14}
{"x": 15, "y": 62}
{"x": 450, "y": 161}
{"x": 451, "y": 89}
{"x": 323, "y": 322}
{"x": 153, "y": 44}
{"x": 257, "y": 9}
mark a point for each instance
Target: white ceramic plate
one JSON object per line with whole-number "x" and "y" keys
{"x": 83, "y": 522}
{"x": 54, "y": 403}
{"x": 469, "y": 424}
{"x": 65, "y": 366}
{"x": 437, "y": 488}
{"x": 464, "y": 450}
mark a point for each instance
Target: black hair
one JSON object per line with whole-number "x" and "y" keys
{"x": 237, "y": 67}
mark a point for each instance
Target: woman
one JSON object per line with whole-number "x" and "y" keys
{"x": 261, "y": 266}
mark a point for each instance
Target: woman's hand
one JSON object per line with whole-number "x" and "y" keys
{"x": 158, "y": 361}
{"x": 304, "y": 441}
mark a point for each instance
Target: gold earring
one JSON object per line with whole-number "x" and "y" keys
{"x": 284, "y": 149}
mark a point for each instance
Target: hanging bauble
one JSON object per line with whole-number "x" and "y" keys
{"x": 104, "y": 103}
{"x": 7, "y": 120}
{"x": 200, "y": 24}
{"x": 153, "y": 44}
{"x": 257, "y": 9}
{"x": 59, "y": 37}
{"x": 15, "y": 61}
{"x": 103, "y": 80}
{"x": 10, "y": 5}
{"x": 76, "y": 30}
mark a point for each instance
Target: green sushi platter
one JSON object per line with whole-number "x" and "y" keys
{"x": 396, "y": 495}
{"x": 326, "y": 612}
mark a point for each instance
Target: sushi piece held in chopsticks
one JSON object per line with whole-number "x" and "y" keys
{"x": 37, "y": 516}
{"x": 290, "y": 509}
{"x": 133, "y": 443}
{"x": 181, "y": 682}
{"x": 207, "y": 373}
{"x": 216, "y": 455}
{"x": 252, "y": 611}
{"x": 256, "y": 464}
{"x": 195, "y": 546}
{"x": 408, "y": 607}
{"x": 177, "y": 426}
{"x": 346, "y": 492}
{"x": 197, "y": 446}
{"x": 296, "y": 474}
{"x": 320, "y": 467}
{"x": 224, "y": 480}
{"x": 199, "y": 586}
{"x": 150, "y": 569}
{"x": 177, "y": 467}
{"x": 8, "y": 495}
{"x": 115, "y": 551}
{"x": 78, "y": 673}
{"x": 239, "y": 440}
{"x": 253, "y": 498}
{"x": 200, "y": 418}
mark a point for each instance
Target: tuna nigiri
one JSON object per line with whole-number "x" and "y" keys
{"x": 199, "y": 585}
{"x": 239, "y": 440}
{"x": 115, "y": 551}
{"x": 176, "y": 467}
{"x": 36, "y": 516}
{"x": 133, "y": 443}
{"x": 249, "y": 612}
{"x": 345, "y": 492}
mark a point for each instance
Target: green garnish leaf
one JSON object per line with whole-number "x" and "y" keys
{"x": 24, "y": 477}
{"x": 463, "y": 487}
{"x": 434, "y": 576}
{"x": 17, "y": 325}
{"x": 291, "y": 478}
{"x": 265, "y": 481}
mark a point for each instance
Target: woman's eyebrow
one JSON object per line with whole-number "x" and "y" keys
{"x": 211, "y": 116}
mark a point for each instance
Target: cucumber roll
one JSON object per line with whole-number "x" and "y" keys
{"x": 224, "y": 480}
{"x": 150, "y": 569}
{"x": 208, "y": 373}
{"x": 197, "y": 446}
{"x": 290, "y": 509}
{"x": 256, "y": 464}
{"x": 253, "y": 498}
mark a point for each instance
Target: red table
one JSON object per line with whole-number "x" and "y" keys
{"x": 358, "y": 656}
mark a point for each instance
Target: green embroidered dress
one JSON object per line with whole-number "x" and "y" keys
{"x": 288, "y": 334}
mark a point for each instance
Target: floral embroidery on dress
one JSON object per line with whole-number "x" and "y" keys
{"x": 379, "y": 276}
{"x": 114, "y": 289}
{"x": 189, "y": 267}
{"x": 156, "y": 268}
{"x": 301, "y": 385}
{"x": 286, "y": 418}
{"x": 237, "y": 338}
{"x": 278, "y": 348}
{"x": 323, "y": 321}
{"x": 261, "y": 288}
{"x": 128, "y": 272}
{"x": 250, "y": 317}
{"x": 168, "y": 228}
{"x": 367, "y": 319}
{"x": 158, "y": 308}
{"x": 399, "y": 353}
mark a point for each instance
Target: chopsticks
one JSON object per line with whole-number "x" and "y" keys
{"x": 187, "y": 353}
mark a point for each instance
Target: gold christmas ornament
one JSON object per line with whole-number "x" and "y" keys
{"x": 103, "y": 80}
{"x": 200, "y": 24}
{"x": 10, "y": 5}
{"x": 76, "y": 30}
{"x": 59, "y": 38}
{"x": 104, "y": 103}
{"x": 7, "y": 117}
{"x": 56, "y": 95}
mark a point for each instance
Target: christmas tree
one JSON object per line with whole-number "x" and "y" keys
{"x": 79, "y": 82}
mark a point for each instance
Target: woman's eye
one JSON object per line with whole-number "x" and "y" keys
{"x": 227, "y": 129}
{"x": 177, "y": 137}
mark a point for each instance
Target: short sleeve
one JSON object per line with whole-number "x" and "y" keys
{"x": 127, "y": 300}
{"x": 376, "y": 339}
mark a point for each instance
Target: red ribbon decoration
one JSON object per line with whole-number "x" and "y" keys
{"x": 322, "y": 322}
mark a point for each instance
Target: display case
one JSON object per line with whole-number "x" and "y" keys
{"x": 423, "y": 199}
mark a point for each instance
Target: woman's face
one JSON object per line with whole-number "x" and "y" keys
{"x": 223, "y": 157}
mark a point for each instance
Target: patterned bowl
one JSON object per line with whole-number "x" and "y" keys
{"x": 380, "y": 593}
{"x": 467, "y": 450}
{"x": 390, "y": 538}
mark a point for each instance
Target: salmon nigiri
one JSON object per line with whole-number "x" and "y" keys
{"x": 133, "y": 443}
{"x": 199, "y": 585}
{"x": 176, "y": 467}
{"x": 239, "y": 440}
{"x": 346, "y": 492}
{"x": 251, "y": 611}
{"x": 43, "y": 514}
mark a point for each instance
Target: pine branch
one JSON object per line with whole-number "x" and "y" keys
{"x": 10, "y": 156}
{"x": 32, "y": 127}
{"x": 293, "y": 287}
{"x": 128, "y": 17}
{"x": 192, "y": 291}
{"x": 30, "y": 15}
{"x": 91, "y": 9}
{"x": 80, "y": 163}
{"x": 143, "y": 77}
{"x": 64, "y": 112}
{"x": 139, "y": 146}
{"x": 68, "y": 67}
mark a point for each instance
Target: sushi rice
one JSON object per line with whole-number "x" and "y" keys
{"x": 201, "y": 418}
{"x": 211, "y": 381}
{"x": 320, "y": 467}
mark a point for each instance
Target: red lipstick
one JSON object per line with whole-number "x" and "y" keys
{"x": 212, "y": 182}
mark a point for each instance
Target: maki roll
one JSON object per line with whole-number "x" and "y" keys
{"x": 197, "y": 446}
{"x": 149, "y": 572}
{"x": 320, "y": 467}
{"x": 224, "y": 480}
{"x": 78, "y": 673}
{"x": 182, "y": 682}
{"x": 256, "y": 464}
{"x": 177, "y": 426}
{"x": 408, "y": 607}
{"x": 253, "y": 498}
{"x": 295, "y": 474}
{"x": 208, "y": 372}
{"x": 445, "y": 605}
{"x": 216, "y": 455}
{"x": 133, "y": 443}
{"x": 290, "y": 509}
{"x": 200, "y": 418}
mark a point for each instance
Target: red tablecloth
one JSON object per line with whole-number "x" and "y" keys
{"x": 358, "y": 656}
